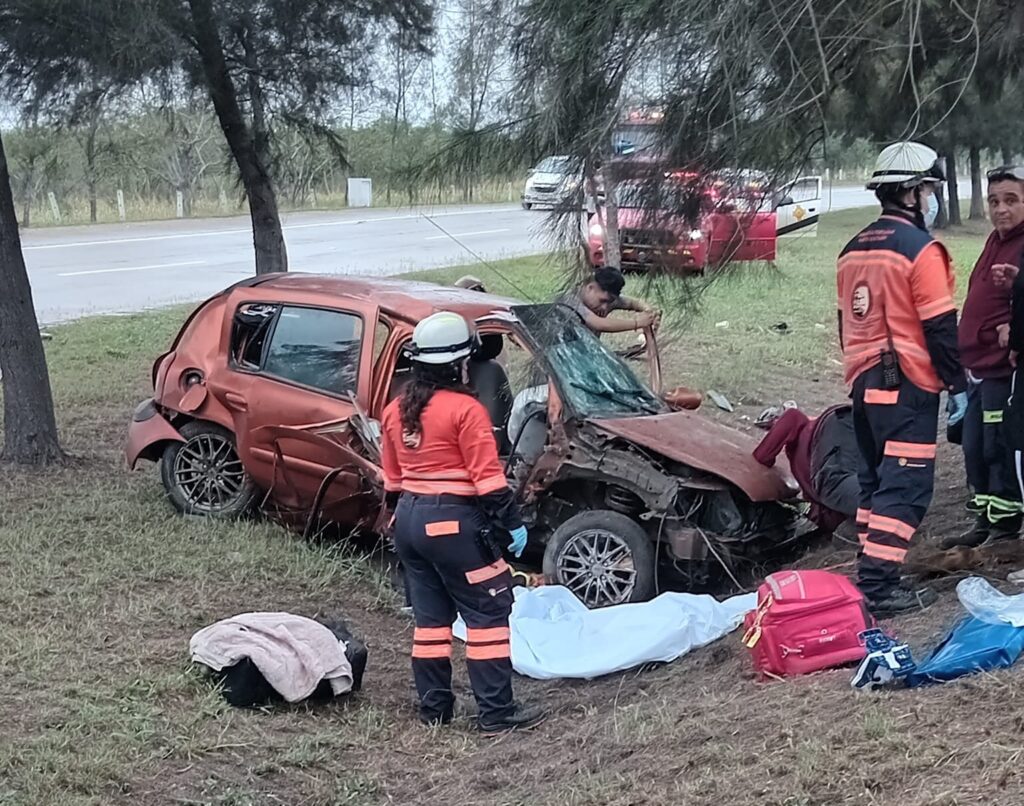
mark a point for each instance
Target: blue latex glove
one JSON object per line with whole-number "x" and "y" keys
{"x": 518, "y": 541}
{"x": 956, "y": 407}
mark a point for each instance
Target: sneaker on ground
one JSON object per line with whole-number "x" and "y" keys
{"x": 902, "y": 600}
{"x": 524, "y": 715}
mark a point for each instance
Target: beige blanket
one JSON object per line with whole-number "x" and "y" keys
{"x": 293, "y": 653}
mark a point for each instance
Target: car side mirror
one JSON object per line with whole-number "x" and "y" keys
{"x": 531, "y": 172}
{"x": 783, "y": 201}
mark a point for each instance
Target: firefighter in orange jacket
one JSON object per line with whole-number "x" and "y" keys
{"x": 897, "y": 325}
{"x": 441, "y": 467}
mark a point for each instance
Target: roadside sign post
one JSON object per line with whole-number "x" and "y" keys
{"x": 54, "y": 207}
{"x": 180, "y": 197}
{"x": 121, "y": 212}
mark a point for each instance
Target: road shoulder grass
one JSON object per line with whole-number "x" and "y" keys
{"x": 103, "y": 586}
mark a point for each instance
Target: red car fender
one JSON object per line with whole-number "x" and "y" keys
{"x": 148, "y": 434}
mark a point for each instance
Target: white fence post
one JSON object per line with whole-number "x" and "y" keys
{"x": 121, "y": 212}
{"x": 222, "y": 197}
{"x": 53, "y": 206}
{"x": 180, "y": 197}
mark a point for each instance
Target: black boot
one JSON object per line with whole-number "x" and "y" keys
{"x": 974, "y": 536}
{"x": 1005, "y": 528}
{"x": 901, "y": 600}
{"x": 524, "y": 715}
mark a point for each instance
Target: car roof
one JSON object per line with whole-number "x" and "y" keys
{"x": 403, "y": 299}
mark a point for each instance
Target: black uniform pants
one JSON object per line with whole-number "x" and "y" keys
{"x": 991, "y": 468}
{"x": 450, "y": 567}
{"x": 896, "y": 431}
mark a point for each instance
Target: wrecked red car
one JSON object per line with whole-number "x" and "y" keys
{"x": 271, "y": 395}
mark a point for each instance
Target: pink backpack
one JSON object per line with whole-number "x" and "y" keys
{"x": 806, "y": 621}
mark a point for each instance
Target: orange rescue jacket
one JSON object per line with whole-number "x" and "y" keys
{"x": 892, "y": 277}
{"x": 455, "y": 452}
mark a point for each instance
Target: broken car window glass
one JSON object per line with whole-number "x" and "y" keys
{"x": 249, "y": 334}
{"x": 594, "y": 381}
{"x": 317, "y": 348}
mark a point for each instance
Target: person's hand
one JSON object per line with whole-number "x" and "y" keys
{"x": 646, "y": 319}
{"x": 956, "y": 407}
{"x": 518, "y": 541}
{"x": 1004, "y": 335}
{"x": 1003, "y": 274}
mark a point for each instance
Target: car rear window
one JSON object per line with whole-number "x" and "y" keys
{"x": 316, "y": 348}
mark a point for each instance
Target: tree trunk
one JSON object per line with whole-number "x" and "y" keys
{"x": 90, "y": 167}
{"x": 93, "y": 204}
{"x": 953, "y": 207}
{"x": 612, "y": 245}
{"x": 30, "y": 428}
{"x": 942, "y": 220}
{"x": 977, "y": 191}
{"x": 1007, "y": 155}
{"x": 27, "y": 198}
{"x": 268, "y": 238}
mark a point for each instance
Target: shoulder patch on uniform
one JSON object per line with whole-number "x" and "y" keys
{"x": 860, "y": 302}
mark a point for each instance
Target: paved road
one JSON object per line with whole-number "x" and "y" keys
{"x": 76, "y": 271}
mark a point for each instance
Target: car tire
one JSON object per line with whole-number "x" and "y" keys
{"x": 527, "y": 205}
{"x": 203, "y": 475}
{"x": 618, "y": 551}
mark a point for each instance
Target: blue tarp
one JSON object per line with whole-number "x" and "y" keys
{"x": 972, "y": 646}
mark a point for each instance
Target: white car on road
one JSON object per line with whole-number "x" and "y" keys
{"x": 552, "y": 182}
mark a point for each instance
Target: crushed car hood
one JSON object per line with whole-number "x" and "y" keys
{"x": 706, "y": 445}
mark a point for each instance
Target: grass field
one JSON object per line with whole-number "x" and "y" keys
{"x": 102, "y": 587}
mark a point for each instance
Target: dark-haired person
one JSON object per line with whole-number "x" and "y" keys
{"x": 440, "y": 463}
{"x": 600, "y": 295}
{"x": 985, "y": 352}
{"x": 471, "y": 283}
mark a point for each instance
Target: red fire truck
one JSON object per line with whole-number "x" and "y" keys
{"x": 683, "y": 221}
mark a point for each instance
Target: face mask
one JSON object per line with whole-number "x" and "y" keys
{"x": 932, "y": 211}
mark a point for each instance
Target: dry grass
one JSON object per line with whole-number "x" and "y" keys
{"x": 102, "y": 587}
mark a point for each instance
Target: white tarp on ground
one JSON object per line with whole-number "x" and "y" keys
{"x": 554, "y": 634}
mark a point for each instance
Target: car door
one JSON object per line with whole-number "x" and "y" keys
{"x": 798, "y": 207}
{"x": 299, "y": 374}
{"x": 740, "y": 236}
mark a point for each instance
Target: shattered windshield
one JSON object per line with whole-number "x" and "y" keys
{"x": 595, "y": 381}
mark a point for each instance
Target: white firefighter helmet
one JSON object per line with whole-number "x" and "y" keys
{"x": 907, "y": 165}
{"x": 442, "y": 338}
